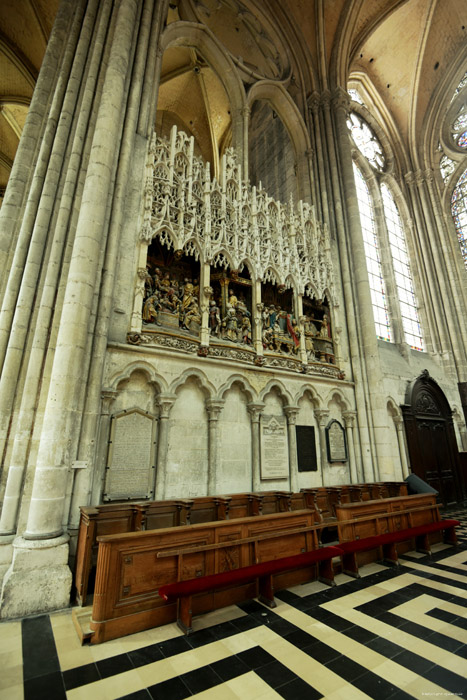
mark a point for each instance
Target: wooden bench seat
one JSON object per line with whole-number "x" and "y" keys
{"x": 183, "y": 591}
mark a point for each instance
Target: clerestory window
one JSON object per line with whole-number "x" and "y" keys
{"x": 391, "y": 239}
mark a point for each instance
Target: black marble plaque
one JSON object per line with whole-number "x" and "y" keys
{"x": 306, "y": 448}
{"x": 335, "y": 442}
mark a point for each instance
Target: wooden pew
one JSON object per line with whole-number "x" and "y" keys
{"x": 242, "y": 505}
{"x": 156, "y": 514}
{"x": 274, "y": 502}
{"x": 132, "y": 567}
{"x": 370, "y": 531}
{"x": 206, "y": 509}
{"x": 183, "y": 591}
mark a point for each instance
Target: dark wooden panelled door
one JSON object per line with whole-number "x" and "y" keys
{"x": 431, "y": 440}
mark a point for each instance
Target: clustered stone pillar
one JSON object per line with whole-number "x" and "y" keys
{"x": 349, "y": 418}
{"x": 255, "y": 410}
{"x": 39, "y": 578}
{"x": 291, "y": 412}
{"x": 165, "y": 403}
{"x": 214, "y": 409}
{"x": 399, "y": 423}
{"x": 322, "y": 416}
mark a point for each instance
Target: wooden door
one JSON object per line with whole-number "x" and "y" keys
{"x": 431, "y": 439}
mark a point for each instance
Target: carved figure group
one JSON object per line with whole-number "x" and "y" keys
{"x": 165, "y": 294}
{"x": 280, "y": 331}
{"x": 236, "y": 323}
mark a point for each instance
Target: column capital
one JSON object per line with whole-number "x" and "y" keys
{"x": 255, "y": 410}
{"x": 321, "y": 416}
{"x": 398, "y": 422}
{"x": 108, "y": 397}
{"x": 340, "y": 99}
{"x": 214, "y": 408}
{"x": 349, "y": 418}
{"x": 291, "y": 412}
{"x": 314, "y": 102}
{"x": 165, "y": 403}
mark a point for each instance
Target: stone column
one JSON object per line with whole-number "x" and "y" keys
{"x": 322, "y": 416}
{"x": 214, "y": 408}
{"x": 257, "y": 320}
{"x": 205, "y": 295}
{"x": 458, "y": 418}
{"x": 349, "y": 419}
{"x": 399, "y": 423}
{"x": 246, "y": 112}
{"x": 165, "y": 403}
{"x": 344, "y": 194}
{"x": 48, "y": 583}
{"x": 255, "y": 410}
{"x": 291, "y": 412}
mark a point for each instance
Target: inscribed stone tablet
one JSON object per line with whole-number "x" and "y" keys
{"x": 274, "y": 448}
{"x": 130, "y": 472}
{"x": 336, "y": 444}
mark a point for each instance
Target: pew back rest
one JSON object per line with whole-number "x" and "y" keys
{"x": 371, "y": 518}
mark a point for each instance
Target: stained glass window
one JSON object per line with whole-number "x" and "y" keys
{"x": 447, "y": 167}
{"x": 373, "y": 261}
{"x": 366, "y": 141}
{"x": 355, "y": 96}
{"x": 459, "y": 129}
{"x": 459, "y": 212}
{"x": 402, "y": 273}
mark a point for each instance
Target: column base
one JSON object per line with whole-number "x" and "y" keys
{"x": 6, "y": 554}
{"x": 38, "y": 580}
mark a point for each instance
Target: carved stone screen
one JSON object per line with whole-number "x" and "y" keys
{"x": 274, "y": 448}
{"x": 336, "y": 442}
{"x": 306, "y": 448}
{"x": 130, "y": 472}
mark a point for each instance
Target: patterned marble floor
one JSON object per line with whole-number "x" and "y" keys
{"x": 392, "y": 634}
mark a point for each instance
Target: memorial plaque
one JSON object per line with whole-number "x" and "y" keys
{"x": 274, "y": 448}
{"x": 130, "y": 472}
{"x": 306, "y": 448}
{"x": 336, "y": 442}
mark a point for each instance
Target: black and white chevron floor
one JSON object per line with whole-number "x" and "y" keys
{"x": 392, "y": 634}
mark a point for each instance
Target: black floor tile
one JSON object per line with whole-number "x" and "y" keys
{"x": 246, "y": 623}
{"x": 384, "y": 647}
{"x": 75, "y": 677}
{"x": 114, "y": 665}
{"x": 447, "y": 679}
{"x": 281, "y": 626}
{"x": 47, "y": 687}
{"x": 230, "y": 667}
{"x": 145, "y": 655}
{"x": 174, "y": 646}
{"x": 223, "y": 630}
{"x": 201, "y": 637}
{"x": 173, "y": 689}
{"x": 346, "y": 668}
{"x": 360, "y": 634}
{"x": 39, "y": 651}
{"x": 137, "y": 695}
{"x": 299, "y": 638}
{"x": 255, "y": 657}
{"x": 275, "y": 674}
{"x": 375, "y": 687}
{"x": 298, "y": 690}
{"x": 321, "y": 652}
{"x": 201, "y": 679}
{"x": 414, "y": 662}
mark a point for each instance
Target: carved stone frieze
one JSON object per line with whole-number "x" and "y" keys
{"x": 188, "y": 211}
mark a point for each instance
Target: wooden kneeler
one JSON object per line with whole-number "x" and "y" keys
{"x": 183, "y": 591}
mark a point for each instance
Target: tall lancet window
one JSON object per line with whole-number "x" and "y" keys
{"x": 387, "y": 259}
{"x": 373, "y": 258}
{"x": 402, "y": 272}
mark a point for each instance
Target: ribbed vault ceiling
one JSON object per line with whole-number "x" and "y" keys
{"x": 404, "y": 48}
